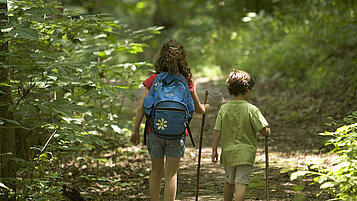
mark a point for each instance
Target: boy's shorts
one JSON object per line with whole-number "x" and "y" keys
{"x": 238, "y": 174}
{"x": 159, "y": 147}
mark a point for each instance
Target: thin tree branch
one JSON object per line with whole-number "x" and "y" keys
{"x": 45, "y": 146}
{"x": 26, "y": 92}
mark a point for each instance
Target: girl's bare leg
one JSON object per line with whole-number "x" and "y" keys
{"x": 171, "y": 168}
{"x": 157, "y": 169}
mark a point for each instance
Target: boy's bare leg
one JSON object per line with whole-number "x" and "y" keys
{"x": 240, "y": 192}
{"x": 228, "y": 191}
{"x": 171, "y": 168}
{"x": 157, "y": 169}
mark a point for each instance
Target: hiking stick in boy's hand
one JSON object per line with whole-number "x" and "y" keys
{"x": 266, "y": 169}
{"x": 237, "y": 124}
{"x": 199, "y": 150}
{"x": 267, "y": 139}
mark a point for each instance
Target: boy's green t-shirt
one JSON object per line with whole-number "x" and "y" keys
{"x": 239, "y": 121}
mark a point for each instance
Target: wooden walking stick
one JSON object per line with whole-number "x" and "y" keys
{"x": 266, "y": 169}
{"x": 199, "y": 150}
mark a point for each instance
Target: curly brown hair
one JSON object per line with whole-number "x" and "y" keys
{"x": 238, "y": 82}
{"x": 172, "y": 59}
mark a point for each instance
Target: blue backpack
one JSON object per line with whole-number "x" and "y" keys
{"x": 169, "y": 107}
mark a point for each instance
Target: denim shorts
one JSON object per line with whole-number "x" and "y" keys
{"x": 159, "y": 147}
{"x": 238, "y": 174}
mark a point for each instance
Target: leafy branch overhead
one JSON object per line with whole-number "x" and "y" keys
{"x": 69, "y": 75}
{"x": 69, "y": 58}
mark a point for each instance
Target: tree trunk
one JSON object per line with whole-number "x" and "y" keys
{"x": 7, "y": 131}
{"x": 160, "y": 19}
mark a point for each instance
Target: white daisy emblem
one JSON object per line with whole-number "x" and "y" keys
{"x": 161, "y": 124}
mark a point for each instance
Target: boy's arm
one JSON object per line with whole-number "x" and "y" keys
{"x": 265, "y": 131}
{"x": 216, "y": 139}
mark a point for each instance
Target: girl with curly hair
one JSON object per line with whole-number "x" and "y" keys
{"x": 171, "y": 59}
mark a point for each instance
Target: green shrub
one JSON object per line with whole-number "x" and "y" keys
{"x": 340, "y": 179}
{"x": 70, "y": 75}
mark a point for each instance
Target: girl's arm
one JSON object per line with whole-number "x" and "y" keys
{"x": 216, "y": 139}
{"x": 199, "y": 108}
{"x": 135, "y": 136}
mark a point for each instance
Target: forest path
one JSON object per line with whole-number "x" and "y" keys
{"x": 294, "y": 145}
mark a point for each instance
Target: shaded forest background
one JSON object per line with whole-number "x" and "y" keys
{"x": 70, "y": 69}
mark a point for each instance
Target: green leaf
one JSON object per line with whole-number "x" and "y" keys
{"x": 103, "y": 160}
{"x": 137, "y": 47}
{"x": 116, "y": 128}
{"x": 38, "y": 12}
{"x": 1, "y": 184}
{"x": 112, "y": 38}
{"x": 25, "y": 33}
{"x": 11, "y": 121}
{"x": 285, "y": 170}
{"x": 7, "y": 154}
{"x": 321, "y": 179}
{"x": 298, "y": 174}
{"x": 4, "y": 84}
{"x": 327, "y": 185}
{"x": 19, "y": 160}
{"x": 55, "y": 109}
{"x": 126, "y": 92}
{"x": 102, "y": 54}
{"x": 63, "y": 72}
{"x": 299, "y": 188}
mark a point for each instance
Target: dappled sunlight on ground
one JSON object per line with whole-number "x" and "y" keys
{"x": 212, "y": 177}
{"x": 293, "y": 148}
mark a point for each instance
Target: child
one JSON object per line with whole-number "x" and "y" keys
{"x": 236, "y": 126}
{"x": 171, "y": 59}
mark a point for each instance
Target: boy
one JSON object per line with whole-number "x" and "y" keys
{"x": 236, "y": 126}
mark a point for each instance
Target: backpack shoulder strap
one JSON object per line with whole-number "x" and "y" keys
{"x": 159, "y": 77}
{"x": 190, "y": 104}
{"x": 190, "y": 134}
{"x": 148, "y": 117}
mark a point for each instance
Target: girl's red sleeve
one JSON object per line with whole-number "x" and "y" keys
{"x": 191, "y": 84}
{"x": 150, "y": 80}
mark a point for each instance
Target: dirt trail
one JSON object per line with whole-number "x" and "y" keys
{"x": 293, "y": 146}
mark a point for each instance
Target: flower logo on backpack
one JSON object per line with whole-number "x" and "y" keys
{"x": 161, "y": 124}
